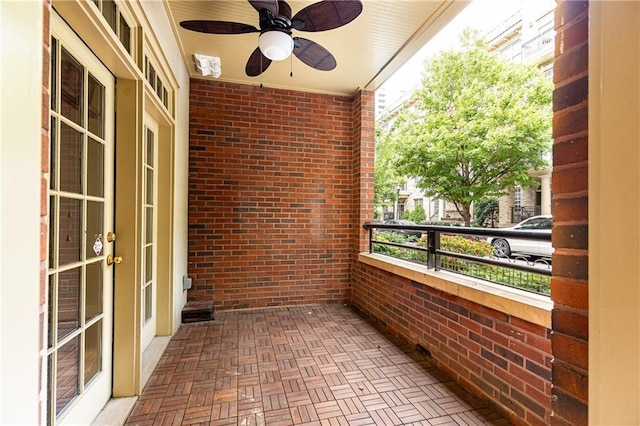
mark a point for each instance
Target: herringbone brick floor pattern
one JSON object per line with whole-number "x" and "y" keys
{"x": 305, "y": 365}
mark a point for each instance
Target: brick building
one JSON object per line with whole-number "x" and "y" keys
{"x": 122, "y": 172}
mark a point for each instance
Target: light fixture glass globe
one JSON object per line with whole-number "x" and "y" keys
{"x": 275, "y": 45}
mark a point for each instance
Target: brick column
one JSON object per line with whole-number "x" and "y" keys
{"x": 569, "y": 284}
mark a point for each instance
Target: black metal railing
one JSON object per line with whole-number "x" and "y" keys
{"x": 518, "y": 214}
{"x": 465, "y": 251}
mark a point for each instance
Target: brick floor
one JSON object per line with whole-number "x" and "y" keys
{"x": 304, "y": 365}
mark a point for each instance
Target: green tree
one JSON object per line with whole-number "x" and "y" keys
{"x": 416, "y": 215}
{"x": 477, "y": 126}
{"x": 485, "y": 209}
{"x": 386, "y": 177}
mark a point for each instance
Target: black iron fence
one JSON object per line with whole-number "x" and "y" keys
{"x": 518, "y": 214}
{"x": 464, "y": 251}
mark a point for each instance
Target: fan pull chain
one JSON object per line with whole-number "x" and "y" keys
{"x": 261, "y": 71}
{"x": 291, "y": 62}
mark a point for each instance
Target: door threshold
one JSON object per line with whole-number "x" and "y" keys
{"x": 116, "y": 411}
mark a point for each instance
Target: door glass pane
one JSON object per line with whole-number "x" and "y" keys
{"x": 95, "y": 221}
{"x": 149, "y": 198}
{"x": 148, "y": 264}
{"x": 71, "y": 86}
{"x": 96, "y": 107}
{"x": 149, "y": 225}
{"x": 50, "y": 336}
{"x": 52, "y": 232}
{"x": 148, "y": 302}
{"x": 93, "y": 351}
{"x": 70, "y": 159}
{"x": 150, "y": 148}
{"x": 95, "y": 168}
{"x": 69, "y": 301}
{"x": 50, "y": 380}
{"x": 54, "y": 74}
{"x": 67, "y": 382}
{"x": 93, "y": 295}
{"x": 53, "y": 161}
{"x": 69, "y": 231}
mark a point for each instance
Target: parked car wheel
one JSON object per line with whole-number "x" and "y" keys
{"x": 502, "y": 248}
{"x": 506, "y": 246}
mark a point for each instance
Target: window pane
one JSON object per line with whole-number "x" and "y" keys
{"x": 95, "y": 168}
{"x": 95, "y": 231}
{"x": 94, "y": 289}
{"x": 67, "y": 380}
{"x": 93, "y": 351}
{"x": 68, "y": 301}
{"x": 109, "y": 13}
{"x": 69, "y": 231}
{"x": 96, "y": 107}
{"x": 125, "y": 34}
{"x": 70, "y": 159}
{"x": 71, "y": 88}
{"x": 152, "y": 76}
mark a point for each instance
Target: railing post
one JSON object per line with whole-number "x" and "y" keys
{"x": 431, "y": 249}
{"x": 370, "y": 240}
{"x": 436, "y": 247}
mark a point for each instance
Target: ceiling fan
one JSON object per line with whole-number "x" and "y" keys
{"x": 276, "y": 42}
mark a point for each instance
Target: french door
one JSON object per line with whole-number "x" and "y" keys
{"x": 80, "y": 278}
{"x": 149, "y": 226}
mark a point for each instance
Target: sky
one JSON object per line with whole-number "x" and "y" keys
{"x": 480, "y": 14}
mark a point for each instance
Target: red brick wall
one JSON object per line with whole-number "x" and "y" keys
{"x": 271, "y": 184}
{"x": 569, "y": 284}
{"x": 363, "y": 166}
{"x": 498, "y": 357}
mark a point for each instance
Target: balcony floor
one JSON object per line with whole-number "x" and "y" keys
{"x": 304, "y": 365}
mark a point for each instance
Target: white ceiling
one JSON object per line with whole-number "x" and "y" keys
{"x": 367, "y": 50}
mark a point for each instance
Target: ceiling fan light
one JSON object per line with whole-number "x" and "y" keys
{"x": 275, "y": 45}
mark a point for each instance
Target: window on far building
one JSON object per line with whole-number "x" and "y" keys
{"x": 517, "y": 197}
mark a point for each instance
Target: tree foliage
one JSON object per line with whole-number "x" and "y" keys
{"x": 416, "y": 215}
{"x": 385, "y": 173}
{"x": 478, "y": 125}
{"x": 485, "y": 209}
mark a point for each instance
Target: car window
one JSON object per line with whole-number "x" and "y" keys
{"x": 537, "y": 223}
{"x": 529, "y": 224}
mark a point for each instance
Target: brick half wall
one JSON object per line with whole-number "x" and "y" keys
{"x": 271, "y": 217}
{"x": 497, "y": 357}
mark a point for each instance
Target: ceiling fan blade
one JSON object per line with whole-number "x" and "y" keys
{"x": 328, "y": 14}
{"x": 312, "y": 54}
{"x": 285, "y": 9}
{"x": 218, "y": 27}
{"x": 271, "y": 6}
{"x": 257, "y": 63}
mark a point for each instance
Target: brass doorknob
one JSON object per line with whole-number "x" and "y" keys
{"x": 111, "y": 260}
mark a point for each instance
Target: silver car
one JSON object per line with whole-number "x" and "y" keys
{"x": 505, "y": 246}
